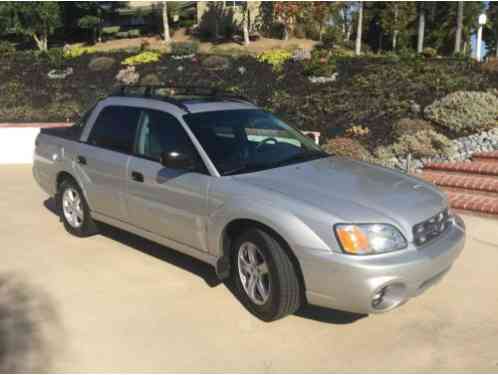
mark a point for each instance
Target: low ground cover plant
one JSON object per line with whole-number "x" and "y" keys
{"x": 276, "y": 58}
{"x": 465, "y": 111}
{"x": 146, "y": 57}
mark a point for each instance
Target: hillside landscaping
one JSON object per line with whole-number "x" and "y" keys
{"x": 373, "y": 107}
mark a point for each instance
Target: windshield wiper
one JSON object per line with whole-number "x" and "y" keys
{"x": 246, "y": 168}
{"x": 301, "y": 157}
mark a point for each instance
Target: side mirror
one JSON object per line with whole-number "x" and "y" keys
{"x": 177, "y": 160}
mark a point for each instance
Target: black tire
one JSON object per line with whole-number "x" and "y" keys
{"x": 88, "y": 226}
{"x": 285, "y": 296}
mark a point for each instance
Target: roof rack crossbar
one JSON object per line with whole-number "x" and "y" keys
{"x": 149, "y": 90}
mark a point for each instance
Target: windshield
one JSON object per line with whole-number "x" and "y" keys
{"x": 242, "y": 141}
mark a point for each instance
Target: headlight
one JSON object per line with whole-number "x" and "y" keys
{"x": 363, "y": 239}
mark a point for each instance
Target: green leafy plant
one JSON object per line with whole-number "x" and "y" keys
{"x": 77, "y": 51}
{"x": 146, "y": 57}
{"x": 464, "y": 111}
{"x": 184, "y": 48}
{"x": 276, "y": 58}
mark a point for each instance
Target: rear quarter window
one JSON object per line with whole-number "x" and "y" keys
{"x": 115, "y": 128}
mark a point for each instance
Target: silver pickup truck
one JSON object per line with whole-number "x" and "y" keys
{"x": 215, "y": 177}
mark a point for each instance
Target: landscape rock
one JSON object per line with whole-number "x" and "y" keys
{"x": 216, "y": 63}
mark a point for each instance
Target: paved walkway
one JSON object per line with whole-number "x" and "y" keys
{"x": 115, "y": 302}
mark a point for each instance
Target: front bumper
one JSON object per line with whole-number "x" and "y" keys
{"x": 349, "y": 283}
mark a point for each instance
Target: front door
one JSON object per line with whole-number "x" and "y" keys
{"x": 169, "y": 203}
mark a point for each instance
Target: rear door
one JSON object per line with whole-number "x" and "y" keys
{"x": 103, "y": 158}
{"x": 169, "y": 203}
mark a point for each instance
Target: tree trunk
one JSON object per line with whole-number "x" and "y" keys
{"x": 41, "y": 41}
{"x": 358, "y": 30}
{"x": 496, "y": 33}
{"x": 421, "y": 29}
{"x": 395, "y": 32}
{"x": 167, "y": 37}
{"x": 286, "y": 32}
{"x": 458, "y": 36}
{"x": 246, "y": 25}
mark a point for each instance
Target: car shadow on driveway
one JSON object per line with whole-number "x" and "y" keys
{"x": 205, "y": 271}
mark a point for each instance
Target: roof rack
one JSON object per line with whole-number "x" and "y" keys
{"x": 153, "y": 91}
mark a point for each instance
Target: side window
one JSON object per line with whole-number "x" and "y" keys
{"x": 160, "y": 132}
{"x": 115, "y": 128}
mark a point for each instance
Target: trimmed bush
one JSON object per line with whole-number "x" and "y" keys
{"x": 422, "y": 144}
{"x": 111, "y": 30}
{"x": 184, "y": 48}
{"x": 101, "y": 64}
{"x": 142, "y": 58}
{"x": 134, "y": 33}
{"x": 78, "y": 51}
{"x": 276, "y": 58}
{"x": 429, "y": 52}
{"x": 150, "y": 80}
{"x": 464, "y": 111}
{"x": 216, "y": 62}
{"x": 409, "y": 126}
{"x": 347, "y": 147}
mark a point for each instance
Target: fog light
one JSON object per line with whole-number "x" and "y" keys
{"x": 378, "y": 298}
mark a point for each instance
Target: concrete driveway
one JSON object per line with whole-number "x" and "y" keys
{"x": 115, "y": 302}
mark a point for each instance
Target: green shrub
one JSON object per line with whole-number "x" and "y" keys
{"x": 276, "y": 58}
{"x": 150, "y": 80}
{"x": 142, "y": 58}
{"x": 320, "y": 63}
{"x": 347, "y": 147}
{"x": 408, "y": 126}
{"x": 54, "y": 57}
{"x": 184, "y": 48}
{"x": 134, "y": 33}
{"x": 7, "y": 48}
{"x": 422, "y": 144}
{"x": 77, "y": 51}
{"x": 122, "y": 34}
{"x": 464, "y": 111}
{"x": 101, "y": 64}
{"x": 111, "y": 30}
{"x": 429, "y": 52}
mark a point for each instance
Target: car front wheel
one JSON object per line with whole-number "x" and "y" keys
{"x": 264, "y": 277}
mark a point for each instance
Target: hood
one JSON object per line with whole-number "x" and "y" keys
{"x": 354, "y": 191}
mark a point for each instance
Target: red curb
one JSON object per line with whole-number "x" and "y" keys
{"x": 473, "y": 202}
{"x": 466, "y": 167}
{"x": 41, "y": 125}
{"x": 491, "y": 154}
{"x": 464, "y": 182}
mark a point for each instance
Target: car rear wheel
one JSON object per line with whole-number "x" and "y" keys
{"x": 74, "y": 211}
{"x": 264, "y": 277}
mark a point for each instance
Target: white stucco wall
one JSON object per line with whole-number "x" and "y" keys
{"x": 17, "y": 145}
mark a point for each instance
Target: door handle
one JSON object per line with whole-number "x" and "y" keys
{"x": 137, "y": 176}
{"x": 81, "y": 160}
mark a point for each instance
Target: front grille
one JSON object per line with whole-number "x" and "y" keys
{"x": 431, "y": 228}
